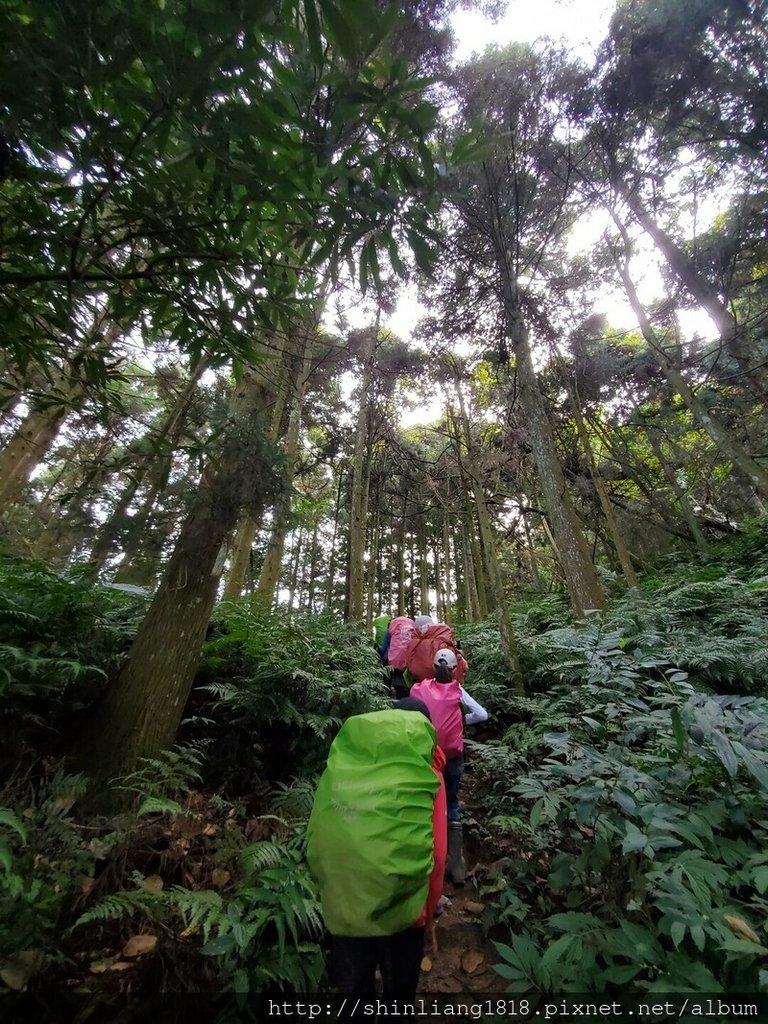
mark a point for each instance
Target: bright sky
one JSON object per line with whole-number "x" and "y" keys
{"x": 581, "y": 25}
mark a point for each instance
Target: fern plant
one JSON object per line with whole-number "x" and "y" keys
{"x": 655, "y": 796}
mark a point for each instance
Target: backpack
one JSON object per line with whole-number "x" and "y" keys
{"x": 401, "y": 630}
{"x": 370, "y": 840}
{"x": 444, "y": 703}
{"x": 420, "y": 657}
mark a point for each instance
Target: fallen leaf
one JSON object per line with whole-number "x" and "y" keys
{"x": 472, "y": 960}
{"x": 99, "y": 966}
{"x": 210, "y": 829}
{"x": 193, "y": 929}
{"x": 17, "y": 970}
{"x": 426, "y": 965}
{"x": 220, "y": 877}
{"x": 121, "y": 965}
{"x": 473, "y": 908}
{"x": 739, "y": 925}
{"x": 153, "y": 883}
{"x": 63, "y": 803}
{"x": 188, "y": 826}
{"x": 137, "y": 945}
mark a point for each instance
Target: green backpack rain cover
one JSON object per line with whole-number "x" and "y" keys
{"x": 380, "y": 624}
{"x": 369, "y": 837}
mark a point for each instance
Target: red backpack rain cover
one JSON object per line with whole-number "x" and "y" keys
{"x": 420, "y": 656}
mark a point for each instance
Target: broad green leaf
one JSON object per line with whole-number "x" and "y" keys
{"x": 677, "y": 932}
{"x": 634, "y": 839}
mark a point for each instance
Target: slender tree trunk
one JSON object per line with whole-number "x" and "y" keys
{"x": 294, "y": 583}
{"x": 614, "y": 530}
{"x": 333, "y": 556}
{"x": 373, "y": 559}
{"x": 682, "y": 266}
{"x": 506, "y": 630}
{"x": 682, "y": 498}
{"x": 264, "y": 595}
{"x": 470, "y": 583}
{"x": 423, "y": 567}
{"x": 412, "y": 578}
{"x": 584, "y": 587}
{"x": 447, "y": 562}
{"x": 401, "y": 549}
{"x": 240, "y": 560}
{"x": 313, "y": 557}
{"x": 157, "y": 468}
{"x": 276, "y": 389}
{"x": 26, "y": 449}
{"x": 359, "y": 497}
{"x": 535, "y": 575}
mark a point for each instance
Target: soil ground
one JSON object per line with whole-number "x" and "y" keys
{"x": 463, "y": 959}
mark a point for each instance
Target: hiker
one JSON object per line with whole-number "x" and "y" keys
{"x": 427, "y": 639}
{"x": 380, "y": 627}
{"x": 451, "y": 708}
{"x": 393, "y": 652}
{"x": 376, "y": 845}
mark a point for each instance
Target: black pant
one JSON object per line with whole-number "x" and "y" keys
{"x": 398, "y": 957}
{"x": 399, "y": 685}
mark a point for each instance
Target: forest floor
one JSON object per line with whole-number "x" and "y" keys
{"x": 462, "y": 957}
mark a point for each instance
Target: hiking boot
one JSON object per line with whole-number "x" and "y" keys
{"x": 455, "y": 867}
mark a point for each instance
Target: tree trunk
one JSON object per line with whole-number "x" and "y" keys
{"x": 359, "y": 497}
{"x": 157, "y": 467}
{"x": 506, "y": 630}
{"x": 373, "y": 558}
{"x": 720, "y": 434}
{"x": 332, "y": 558}
{"x": 447, "y": 562}
{"x": 142, "y": 707}
{"x": 264, "y": 595}
{"x": 313, "y": 553}
{"x": 240, "y": 559}
{"x": 294, "y": 580}
{"x": 423, "y": 567}
{"x": 401, "y": 548}
{"x": 26, "y": 449}
{"x": 584, "y": 587}
{"x": 702, "y": 291}
{"x": 682, "y": 499}
{"x": 614, "y": 531}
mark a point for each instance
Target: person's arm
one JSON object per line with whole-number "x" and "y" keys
{"x": 476, "y": 712}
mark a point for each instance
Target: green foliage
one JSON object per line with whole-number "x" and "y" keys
{"x": 710, "y": 622}
{"x": 648, "y": 817}
{"x": 289, "y": 684}
{"x": 59, "y": 634}
{"x": 42, "y": 860}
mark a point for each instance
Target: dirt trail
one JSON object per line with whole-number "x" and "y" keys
{"x": 464, "y": 958}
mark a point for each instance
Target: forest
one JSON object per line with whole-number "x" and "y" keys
{"x": 219, "y": 463}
